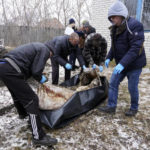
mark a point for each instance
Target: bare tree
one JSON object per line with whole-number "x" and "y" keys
{"x": 88, "y": 8}
{"x": 79, "y": 5}
{"x": 58, "y": 8}
{"x": 4, "y": 12}
{"x": 29, "y": 13}
{"x": 29, "y": 10}
{"x": 66, "y": 10}
{"x": 82, "y": 10}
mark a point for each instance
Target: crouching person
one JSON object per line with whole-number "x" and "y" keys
{"x": 95, "y": 50}
{"x": 61, "y": 47}
{"x": 17, "y": 66}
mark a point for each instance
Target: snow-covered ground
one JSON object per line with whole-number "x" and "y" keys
{"x": 91, "y": 131}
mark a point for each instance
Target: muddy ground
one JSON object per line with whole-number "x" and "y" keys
{"x": 91, "y": 131}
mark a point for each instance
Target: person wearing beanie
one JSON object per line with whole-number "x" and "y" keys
{"x": 71, "y": 21}
{"x": 70, "y": 28}
{"x": 127, "y": 39}
{"x": 87, "y": 28}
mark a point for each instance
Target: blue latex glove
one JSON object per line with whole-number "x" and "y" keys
{"x": 83, "y": 67}
{"x": 107, "y": 61}
{"x": 94, "y": 66}
{"x": 44, "y": 79}
{"x": 68, "y": 66}
{"x": 118, "y": 69}
{"x": 101, "y": 68}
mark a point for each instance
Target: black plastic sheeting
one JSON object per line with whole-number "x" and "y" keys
{"x": 79, "y": 103}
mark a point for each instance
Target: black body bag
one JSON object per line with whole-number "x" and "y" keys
{"x": 79, "y": 103}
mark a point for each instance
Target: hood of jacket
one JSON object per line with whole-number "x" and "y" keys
{"x": 117, "y": 9}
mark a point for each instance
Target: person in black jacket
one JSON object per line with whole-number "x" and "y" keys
{"x": 61, "y": 47}
{"x": 17, "y": 66}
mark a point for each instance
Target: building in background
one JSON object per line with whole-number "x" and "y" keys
{"x": 139, "y": 9}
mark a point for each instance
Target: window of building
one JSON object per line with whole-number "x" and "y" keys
{"x": 146, "y": 14}
{"x": 139, "y": 7}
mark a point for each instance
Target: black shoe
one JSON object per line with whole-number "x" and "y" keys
{"x": 131, "y": 112}
{"x": 107, "y": 109}
{"x": 46, "y": 141}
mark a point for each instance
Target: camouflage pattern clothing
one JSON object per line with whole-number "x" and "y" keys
{"x": 95, "y": 49}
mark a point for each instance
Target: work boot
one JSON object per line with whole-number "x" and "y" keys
{"x": 107, "y": 109}
{"x": 46, "y": 141}
{"x": 131, "y": 112}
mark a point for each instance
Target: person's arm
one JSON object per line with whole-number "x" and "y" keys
{"x": 136, "y": 40}
{"x": 86, "y": 52}
{"x": 80, "y": 57}
{"x": 103, "y": 53}
{"x": 39, "y": 62}
{"x": 110, "y": 54}
{"x": 57, "y": 54}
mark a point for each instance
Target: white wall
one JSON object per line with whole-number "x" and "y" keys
{"x": 101, "y": 23}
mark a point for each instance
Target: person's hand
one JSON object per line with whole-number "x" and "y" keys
{"x": 43, "y": 79}
{"x": 68, "y": 66}
{"x": 83, "y": 67}
{"x": 94, "y": 66}
{"x": 118, "y": 69}
{"x": 101, "y": 68}
{"x": 107, "y": 61}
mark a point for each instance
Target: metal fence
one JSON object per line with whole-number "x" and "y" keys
{"x": 18, "y": 35}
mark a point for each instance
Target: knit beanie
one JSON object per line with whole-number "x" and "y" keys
{"x": 71, "y": 21}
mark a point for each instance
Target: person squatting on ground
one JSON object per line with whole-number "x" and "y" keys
{"x": 17, "y": 66}
{"x": 94, "y": 52}
{"x": 61, "y": 47}
{"x": 127, "y": 35}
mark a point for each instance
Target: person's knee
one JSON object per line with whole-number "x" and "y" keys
{"x": 33, "y": 105}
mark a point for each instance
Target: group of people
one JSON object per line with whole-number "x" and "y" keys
{"x": 127, "y": 36}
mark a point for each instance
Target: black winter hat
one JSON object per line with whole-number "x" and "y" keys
{"x": 71, "y": 21}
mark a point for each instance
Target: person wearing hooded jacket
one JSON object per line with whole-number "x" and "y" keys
{"x": 61, "y": 47}
{"x": 127, "y": 36}
{"x": 15, "y": 68}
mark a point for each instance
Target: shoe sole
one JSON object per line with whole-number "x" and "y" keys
{"x": 46, "y": 144}
{"x": 130, "y": 115}
{"x": 107, "y": 111}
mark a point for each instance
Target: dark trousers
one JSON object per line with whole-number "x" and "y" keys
{"x": 25, "y": 100}
{"x": 72, "y": 59}
{"x": 55, "y": 72}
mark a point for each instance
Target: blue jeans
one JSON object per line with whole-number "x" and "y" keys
{"x": 133, "y": 80}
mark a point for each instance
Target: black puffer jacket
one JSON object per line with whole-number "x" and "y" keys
{"x": 95, "y": 49}
{"x": 61, "y": 48}
{"x": 31, "y": 59}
